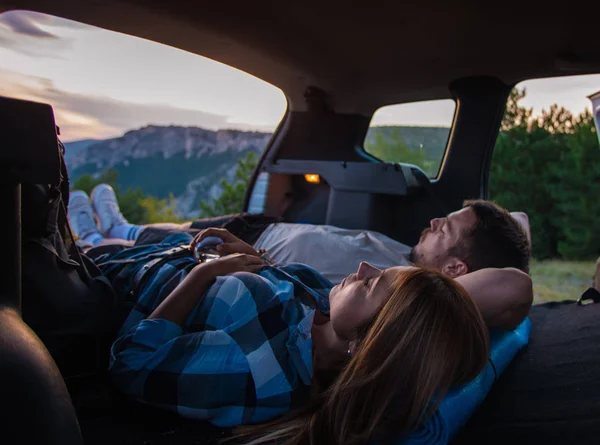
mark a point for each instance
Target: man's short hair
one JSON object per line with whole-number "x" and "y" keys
{"x": 497, "y": 240}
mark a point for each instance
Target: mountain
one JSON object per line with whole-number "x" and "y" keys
{"x": 77, "y": 147}
{"x": 187, "y": 162}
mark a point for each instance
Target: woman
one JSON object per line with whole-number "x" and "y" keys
{"x": 238, "y": 342}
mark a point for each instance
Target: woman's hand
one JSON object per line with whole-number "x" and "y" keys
{"x": 231, "y": 243}
{"x": 239, "y": 262}
{"x": 180, "y": 303}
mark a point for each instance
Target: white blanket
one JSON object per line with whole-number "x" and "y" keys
{"x": 332, "y": 251}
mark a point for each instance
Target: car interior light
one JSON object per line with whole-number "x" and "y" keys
{"x": 312, "y": 178}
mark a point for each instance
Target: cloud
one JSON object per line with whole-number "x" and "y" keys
{"x": 83, "y": 116}
{"x": 24, "y": 24}
{"x": 25, "y": 32}
{"x": 53, "y": 21}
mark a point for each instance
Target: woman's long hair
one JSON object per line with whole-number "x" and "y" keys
{"x": 427, "y": 337}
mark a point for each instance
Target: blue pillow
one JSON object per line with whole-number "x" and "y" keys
{"x": 460, "y": 403}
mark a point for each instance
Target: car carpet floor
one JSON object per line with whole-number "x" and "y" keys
{"x": 108, "y": 418}
{"x": 550, "y": 394}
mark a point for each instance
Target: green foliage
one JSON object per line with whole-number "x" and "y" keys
{"x": 88, "y": 182}
{"x": 136, "y": 207}
{"x": 159, "y": 210}
{"x": 157, "y": 176}
{"x": 549, "y": 167}
{"x": 421, "y": 146}
{"x": 231, "y": 199}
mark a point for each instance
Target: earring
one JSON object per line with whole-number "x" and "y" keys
{"x": 349, "y": 353}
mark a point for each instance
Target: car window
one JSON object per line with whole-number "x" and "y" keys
{"x": 413, "y": 133}
{"x": 176, "y": 134}
{"x": 546, "y": 163}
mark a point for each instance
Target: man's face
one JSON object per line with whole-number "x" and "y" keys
{"x": 441, "y": 236}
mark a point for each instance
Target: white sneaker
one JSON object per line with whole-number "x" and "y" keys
{"x": 107, "y": 209}
{"x": 81, "y": 214}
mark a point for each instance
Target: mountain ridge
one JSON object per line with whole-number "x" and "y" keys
{"x": 186, "y": 162}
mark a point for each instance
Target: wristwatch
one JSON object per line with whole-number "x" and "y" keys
{"x": 265, "y": 257}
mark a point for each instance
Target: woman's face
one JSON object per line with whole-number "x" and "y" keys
{"x": 359, "y": 297}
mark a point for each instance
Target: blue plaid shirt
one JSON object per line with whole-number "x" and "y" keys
{"x": 244, "y": 355}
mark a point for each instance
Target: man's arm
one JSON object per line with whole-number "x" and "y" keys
{"x": 523, "y": 220}
{"x": 504, "y": 296}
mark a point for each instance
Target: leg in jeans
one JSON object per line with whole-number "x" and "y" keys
{"x": 112, "y": 223}
{"x": 155, "y": 233}
{"x": 246, "y": 226}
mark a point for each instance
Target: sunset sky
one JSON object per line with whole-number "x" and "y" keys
{"x": 103, "y": 83}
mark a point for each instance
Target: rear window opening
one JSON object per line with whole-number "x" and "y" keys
{"x": 163, "y": 126}
{"x": 546, "y": 163}
{"x": 412, "y": 133}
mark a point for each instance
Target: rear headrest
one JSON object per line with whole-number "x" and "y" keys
{"x": 28, "y": 143}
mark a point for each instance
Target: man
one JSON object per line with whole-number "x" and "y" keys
{"x": 481, "y": 234}
{"x": 474, "y": 240}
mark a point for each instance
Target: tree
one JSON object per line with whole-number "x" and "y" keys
{"x": 549, "y": 166}
{"x": 159, "y": 210}
{"x": 231, "y": 199}
{"x": 87, "y": 182}
{"x": 516, "y": 116}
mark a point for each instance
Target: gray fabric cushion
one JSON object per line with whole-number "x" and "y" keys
{"x": 550, "y": 394}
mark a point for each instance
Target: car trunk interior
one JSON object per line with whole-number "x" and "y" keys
{"x": 336, "y": 64}
{"x": 356, "y": 192}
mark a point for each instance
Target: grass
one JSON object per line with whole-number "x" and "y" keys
{"x": 556, "y": 280}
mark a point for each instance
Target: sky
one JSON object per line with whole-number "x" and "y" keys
{"x": 102, "y": 84}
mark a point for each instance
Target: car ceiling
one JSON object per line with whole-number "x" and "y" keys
{"x": 364, "y": 56}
